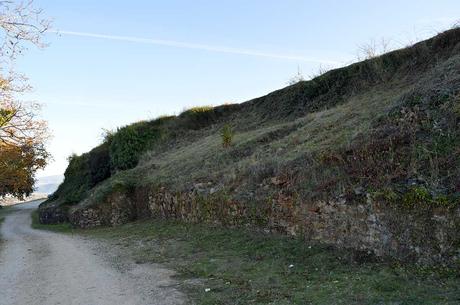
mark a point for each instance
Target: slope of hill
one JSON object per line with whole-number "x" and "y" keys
{"x": 365, "y": 157}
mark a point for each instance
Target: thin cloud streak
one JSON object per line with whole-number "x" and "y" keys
{"x": 186, "y": 45}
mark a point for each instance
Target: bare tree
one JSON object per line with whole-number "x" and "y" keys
{"x": 297, "y": 78}
{"x": 22, "y": 133}
{"x": 322, "y": 69}
{"x": 373, "y": 49}
{"x": 21, "y": 22}
{"x": 19, "y": 124}
{"x": 456, "y": 24}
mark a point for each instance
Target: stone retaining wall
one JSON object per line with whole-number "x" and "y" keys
{"x": 431, "y": 236}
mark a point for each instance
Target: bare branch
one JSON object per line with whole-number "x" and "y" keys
{"x": 22, "y": 134}
{"x": 21, "y": 22}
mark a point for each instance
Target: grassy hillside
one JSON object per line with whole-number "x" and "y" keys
{"x": 387, "y": 126}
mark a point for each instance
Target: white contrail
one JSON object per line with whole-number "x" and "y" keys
{"x": 186, "y": 45}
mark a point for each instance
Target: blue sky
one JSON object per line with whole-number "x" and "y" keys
{"x": 134, "y": 60}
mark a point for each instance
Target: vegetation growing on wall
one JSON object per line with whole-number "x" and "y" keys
{"x": 413, "y": 151}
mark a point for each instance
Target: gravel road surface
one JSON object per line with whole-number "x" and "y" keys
{"x": 44, "y": 268}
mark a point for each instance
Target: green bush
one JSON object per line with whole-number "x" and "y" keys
{"x": 126, "y": 147}
{"x": 417, "y": 195}
{"x": 119, "y": 151}
{"x": 128, "y": 144}
{"x": 99, "y": 164}
{"x": 420, "y": 197}
{"x": 77, "y": 181}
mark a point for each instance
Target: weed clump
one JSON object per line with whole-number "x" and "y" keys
{"x": 227, "y": 136}
{"x": 198, "y": 117}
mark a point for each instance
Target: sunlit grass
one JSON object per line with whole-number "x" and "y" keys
{"x": 234, "y": 266}
{"x": 61, "y": 228}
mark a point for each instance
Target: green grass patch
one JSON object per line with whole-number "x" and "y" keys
{"x": 59, "y": 228}
{"x": 3, "y": 212}
{"x": 242, "y": 267}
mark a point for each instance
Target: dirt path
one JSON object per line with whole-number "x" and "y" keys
{"x": 44, "y": 268}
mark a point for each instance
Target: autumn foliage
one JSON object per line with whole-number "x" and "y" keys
{"x": 22, "y": 133}
{"x": 22, "y": 151}
{"x": 18, "y": 165}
